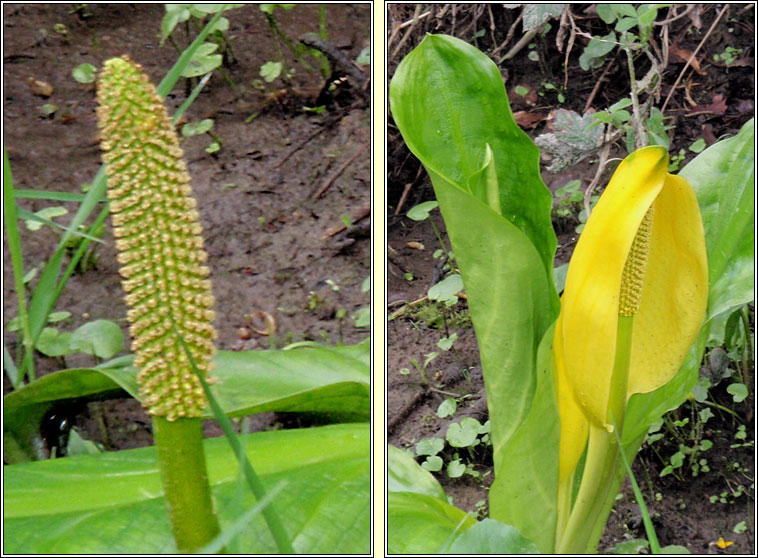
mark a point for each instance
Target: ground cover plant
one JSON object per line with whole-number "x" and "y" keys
{"x": 262, "y": 493}
{"x": 463, "y": 175}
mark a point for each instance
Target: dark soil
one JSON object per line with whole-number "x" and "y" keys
{"x": 683, "y": 513}
{"x": 273, "y": 244}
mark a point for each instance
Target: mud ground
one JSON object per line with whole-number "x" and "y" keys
{"x": 274, "y": 246}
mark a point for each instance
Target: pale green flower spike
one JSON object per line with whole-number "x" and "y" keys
{"x": 159, "y": 241}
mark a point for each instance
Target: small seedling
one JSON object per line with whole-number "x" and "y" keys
{"x": 729, "y": 56}
{"x": 447, "y": 408}
{"x": 84, "y": 73}
{"x": 203, "y": 127}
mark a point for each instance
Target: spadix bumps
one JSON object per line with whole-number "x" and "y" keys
{"x": 159, "y": 241}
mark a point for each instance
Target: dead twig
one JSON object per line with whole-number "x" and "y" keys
{"x": 300, "y": 145}
{"x": 335, "y": 175}
{"x": 694, "y": 54}
{"x": 595, "y": 89}
{"x": 406, "y": 190}
{"x": 407, "y": 34}
{"x": 508, "y": 36}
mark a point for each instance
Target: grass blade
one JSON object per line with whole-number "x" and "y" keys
{"x": 17, "y": 261}
{"x": 24, "y": 214}
{"x": 272, "y": 518}
{"x": 655, "y": 547}
{"x": 192, "y": 96}
{"x": 225, "y": 538}
{"x": 45, "y": 195}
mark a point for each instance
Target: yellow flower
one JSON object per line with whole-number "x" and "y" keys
{"x": 641, "y": 255}
{"x": 721, "y": 543}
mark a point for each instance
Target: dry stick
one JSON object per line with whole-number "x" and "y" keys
{"x": 407, "y": 190}
{"x": 641, "y": 139}
{"x": 509, "y": 36}
{"x": 599, "y": 82}
{"x": 572, "y": 38}
{"x": 414, "y": 22}
{"x": 688, "y": 9}
{"x": 523, "y": 41}
{"x": 492, "y": 23}
{"x": 328, "y": 182}
{"x": 692, "y": 57}
{"x": 602, "y": 161}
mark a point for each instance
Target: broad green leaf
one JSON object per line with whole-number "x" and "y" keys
{"x": 449, "y": 101}
{"x": 112, "y": 502}
{"x": 492, "y": 537}
{"x": 405, "y": 475}
{"x": 422, "y": 524}
{"x": 324, "y": 380}
{"x": 723, "y": 178}
{"x": 526, "y": 484}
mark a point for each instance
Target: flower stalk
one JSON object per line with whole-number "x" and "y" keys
{"x": 169, "y": 299}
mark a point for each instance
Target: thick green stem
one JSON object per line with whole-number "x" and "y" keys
{"x": 185, "y": 481}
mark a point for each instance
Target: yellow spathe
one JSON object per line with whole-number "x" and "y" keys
{"x": 674, "y": 286}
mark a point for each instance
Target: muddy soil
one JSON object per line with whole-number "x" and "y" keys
{"x": 681, "y": 507}
{"x": 285, "y": 202}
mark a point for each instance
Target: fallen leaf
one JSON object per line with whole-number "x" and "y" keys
{"x": 707, "y": 132}
{"x": 526, "y": 119}
{"x": 745, "y": 61}
{"x": 718, "y": 104}
{"x": 717, "y": 107}
{"x": 39, "y": 88}
{"x": 684, "y": 55}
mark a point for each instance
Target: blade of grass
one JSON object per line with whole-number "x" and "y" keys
{"x": 10, "y": 367}
{"x": 269, "y": 513}
{"x": 80, "y": 251}
{"x": 24, "y": 214}
{"x": 45, "y": 195}
{"x": 226, "y": 536}
{"x": 192, "y": 96}
{"x": 17, "y": 261}
{"x": 168, "y": 82}
{"x": 655, "y": 547}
